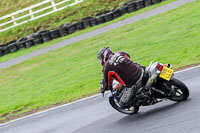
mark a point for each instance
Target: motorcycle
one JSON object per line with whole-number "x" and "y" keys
{"x": 160, "y": 79}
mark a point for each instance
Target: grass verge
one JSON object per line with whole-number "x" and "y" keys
{"x": 66, "y": 74}
{"x": 26, "y": 51}
{"x": 9, "y": 6}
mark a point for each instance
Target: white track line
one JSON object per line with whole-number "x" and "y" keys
{"x": 187, "y": 69}
{"x": 64, "y": 105}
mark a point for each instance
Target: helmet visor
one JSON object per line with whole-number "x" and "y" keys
{"x": 100, "y": 60}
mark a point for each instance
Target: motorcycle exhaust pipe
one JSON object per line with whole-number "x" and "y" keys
{"x": 159, "y": 91}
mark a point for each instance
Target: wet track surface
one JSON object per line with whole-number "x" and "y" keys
{"x": 95, "y": 115}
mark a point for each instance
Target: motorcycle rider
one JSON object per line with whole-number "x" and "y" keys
{"x": 118, "y": 66}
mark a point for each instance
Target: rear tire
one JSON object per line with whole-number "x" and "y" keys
{"x": 130, "y": 111}
{"x": 180, "y": 90}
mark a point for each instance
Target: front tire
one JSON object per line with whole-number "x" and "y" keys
{"x": 180, "y": 91}
{"x": 130, "y": 110}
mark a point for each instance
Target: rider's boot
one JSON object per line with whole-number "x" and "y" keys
{"x": 128, "y": 94}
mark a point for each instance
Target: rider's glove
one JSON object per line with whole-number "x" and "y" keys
{"x": 101, "y": 89}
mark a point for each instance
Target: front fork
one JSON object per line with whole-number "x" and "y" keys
{"x": 115, "y": 94}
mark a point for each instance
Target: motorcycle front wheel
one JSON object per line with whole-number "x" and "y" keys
{"x": 129, "y": 110}
{"x": 179, "y": 91}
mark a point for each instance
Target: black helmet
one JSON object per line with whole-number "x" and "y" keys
{"x": 103, "y": 55}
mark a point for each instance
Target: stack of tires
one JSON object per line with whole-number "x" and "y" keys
{"x": 156, "y": 1}
{"x": 1, "y": 50}
{"x": 79, "y": 25}
{"x": 86, "y": 21}
{"x": 29, "y": 43}
{"x": 63, "y": 31}
{"x": 21, "y": 43}
{"x": 100, "y": 19}
{"x": 5, "y": 49}
{"x": 116, "y": 13}
{"x": 69, "y": 28}
{"x": 93, "y": 22}
{"x": 123, "y": 9}
{"x": 148, "y": 2}
{"x": 140, "y": 4}
{"x": 108, "y": 16}
{"x": 12, "y": 46}
{"x": 46, "y": 35}
{"x": 131, "y": 6}
{"x": 36, "y": 37}
{"x": 55, "y": 33}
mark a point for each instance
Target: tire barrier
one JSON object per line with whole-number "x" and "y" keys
{"x": 131, "y": 6}
{"x": 21, "y": 43}
{"x": 116, "y": 13}
{"x": 29, "y": 43}
{"x": 54, "y": 33}
{"x": 108, "y": 16}
{"x": 46, "y": 36}
{"x": 123, "y": 10}
{"x": 156, "y": 1}
{"x": 86, "y": 21}
{"x": 93, "y": 22}
{"x": 147, "y": 2}
{"x": 5, "y": 49}
{"x": 79, "y": 25}
{"x": 140, "y": 4}
{"x": 12, "y": 47}
{"x": 63, "y": 31}
{"x": 36, "y": 37}
{"x": 69, "y": 28}
{"x": 100, "y": 19}
{"x": 1, "y": 51}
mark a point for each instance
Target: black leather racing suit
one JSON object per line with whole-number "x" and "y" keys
{"x": 121, "y": 68}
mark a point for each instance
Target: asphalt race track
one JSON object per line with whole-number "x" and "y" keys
{"x": 96, "y": 32}
{"x": 95, "y": 115}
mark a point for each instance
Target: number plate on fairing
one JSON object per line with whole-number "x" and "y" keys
{"x": 166, "y": 73}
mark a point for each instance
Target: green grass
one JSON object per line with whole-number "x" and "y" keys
{"x": 73, "y": 71}
{"x": 9, "y": 6}
{"x": 26, "y": 51}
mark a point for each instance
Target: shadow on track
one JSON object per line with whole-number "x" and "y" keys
{"x": 163, "y": 111}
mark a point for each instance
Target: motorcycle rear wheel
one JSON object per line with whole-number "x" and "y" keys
{"x": 130, "y": 110}
{"x": 180, "y": 91}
